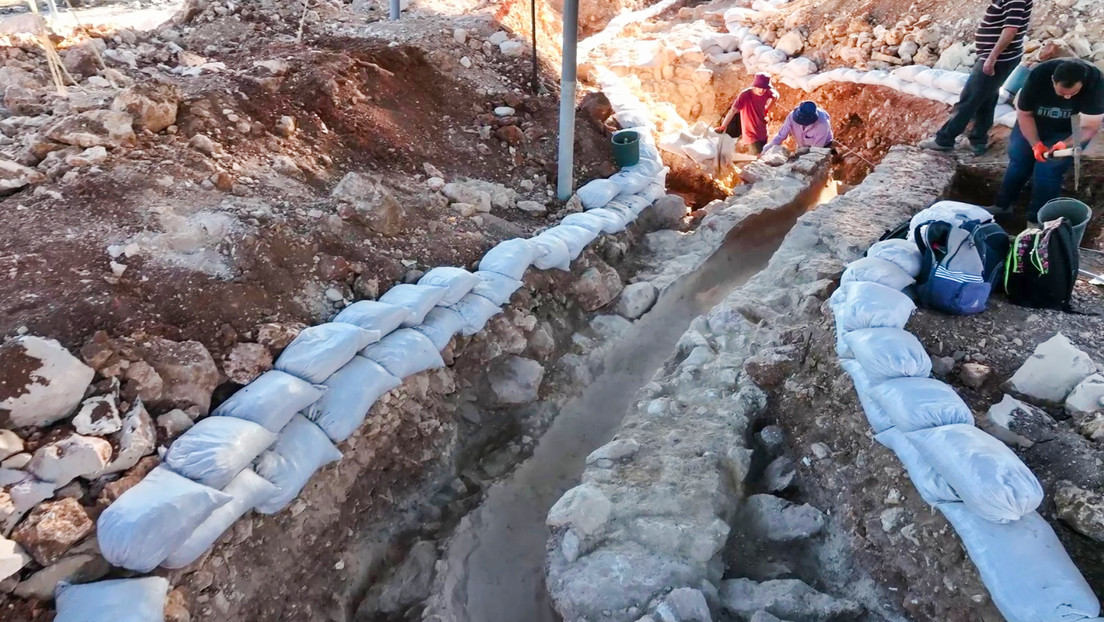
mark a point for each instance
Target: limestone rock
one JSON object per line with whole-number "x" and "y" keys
{"x": 792, "y": 43}
{"x": 614, "y": 450}
{"x": 98, "y": 416}
{"x": 40, "y": 382}
{"x": 1081, "y": 509}
{"x": 10, "y": 444}
{"x": 1019, "y": 424}
{"x": 115, "y": 489}
{"x": 105, "y": 128}
{"x": 1091, "y": 426}
{"x": 636, "y": 299}
{"x": 1087, "y": 397}
{"x": 23, "y": 101}
{"x": 780, "y": 474}
{"x": 974, "y": 375}
{"x": 684, "y": 604}
{"x": 276, "y": 337}
{"x": 14, "y": 176}
{"x": 763, "y": 616}
{"x": 408, "y": 584}
{"x": 176, "y": 607}
{"x": 512, "y": 380}
{"x": 204, "y": 144}
{"x": 74, "y": 456}
{"x": 668, "y": 212}
{"x": 76, "y": 568}
{"x": 367, "y": 201}
{"x": 953, "y": 57}
{"x": 584, "y": 508}
{"x": 942, "y": 365}
{"x": 777, "y": 520}
{"x": 285, "y": 126}
{"x": 532, "y": 207}
{"x": 597, "y": 287}
{"x": 770, "y": 367}
{"x": 512, "y": 48}
{"x": 138, "y": 438}
{"x": 246, "y": 361}
{"x": 1052, "y": 372}
{"x": 789, "y": 599}
{"x": 143, "y": 382}
{"x": 465, "y": 194}
{"x": 20, "y": 498}
{"x": 153, "y": 106}
{"x": 12, "y": 558}
{"x": 81, "y": 58}
{"x": 53, "y": 528}
{"x": 187, "y": 370}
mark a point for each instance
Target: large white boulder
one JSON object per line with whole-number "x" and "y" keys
{"x": 1052, "y": 372}
{"x": 40, "y": 382}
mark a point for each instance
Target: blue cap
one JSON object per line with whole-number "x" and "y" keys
{"x": 805, "y": 113}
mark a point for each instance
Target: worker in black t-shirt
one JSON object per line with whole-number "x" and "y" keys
{"x": 1055, "y": 91}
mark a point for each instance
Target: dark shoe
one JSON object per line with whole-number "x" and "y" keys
{"x": 979, "y": 149}
{"x": 932, "y": 144}
{"x": 999, "y": 212}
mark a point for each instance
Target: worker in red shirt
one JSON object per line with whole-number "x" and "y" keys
{"x": 752, "y": 106}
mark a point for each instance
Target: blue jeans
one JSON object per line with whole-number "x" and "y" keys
{"x": 978, "y": 99}
{"x": 1046, "y": 177}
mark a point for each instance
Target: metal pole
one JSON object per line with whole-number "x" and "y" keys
{"x": 564, "y": 181}
{"x": 533, "y": 26}
{"x": 395, "y": 8}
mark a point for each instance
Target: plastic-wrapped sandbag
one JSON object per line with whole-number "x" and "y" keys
{"x": 629, "y": 182}
{"x": 853, "y": 76}
{"x": 874, "y": 270}
{"x": 952, "y": 81}
{"x": 245, "y": 491}
{"x": 653, "y": 193}
{"x": 819, "y": 80}
{"x": 271, "y": 400}
{"x": 909, "y": 72}
{"x": 552, "y": 252}
{"x": 614, "y": 222}
{"x": 216, "y": 449}
{"x": 637, "y": 203}
{"x": 498, "y": 288}
{"x": 985, "y": 473}
{"x": 153, "y": 518}
{"x": 576, "y": 238}
{"x": 914, "y": 89}
{"x": 1029, "y": 575}
{"x": 701, "y": 150}
{"x": 895, "y": 83}
{"x": 441, "y": 325}
{"x": 1008, "y": 119}
{"x": 417, "y": 299}
{"x": 476, "y": 311}
{"x": 586, "y": 220}
{"x": 920, "y": 403}
{"x": 903, "y": 253}
{"x": 321, "y": 350}
{"x": 456, "y": 281}
{"x": 116, "y": 600}
{"x": 948, "y": 211}
{"x": 870, "y": 305}
{"x": 887, "y": 353}
{"x": 1002, "y": 110}
{"x": 351, "y": 392}
{"x": 875, "y": 77}
{"x": 929, "y": 77}
{"x": 773, "y": 57}
{"x": 373, "y": 315}
{"x": 630, "y": 118}
{"x": 511, "y": 258}
{"x": 877, "y": 418}
{"x": 301, "y": 449}
{"x": 626, "y": 215}
{"x": 406, "y": 352}
{"x": 932, "y": 487}
{"x": 597, "y": 193}
{"x": 800, "y": 67}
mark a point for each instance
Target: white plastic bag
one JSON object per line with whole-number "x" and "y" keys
{"x": 373, "y": 315}
{"x": 117, "y": 600}
{"x": 932, "y": 487}
{"x": 868, "y": 305}
{"x": 321, "y": 350}
{"x": 874, "y": 270}
{"x": 476, "y": 311}
{"x": 887, "y": 353}
{"x": 271, "y": 400}
{"x": 153, "y": 518}
{"x": 498, "y": 288}
{"x": 216, "y": 449}
{"x": 246, "y": 491}
{"x": 405, "y": 352}
{"x": 576, "y": 238}
{"x": 919, "y": 403}
{"x": 301, "y": 449}
{"x": 1029, "y": 575}
{"x": 877, "y": 418}
{"x": 441, "y": 325}
{"x": 903, "y": 253}
{"x": 597, "y": 193}
{"x": 511, "y": 258}
{"x": 985, "y": 473}
{"x": 351, "y": 391}
{"x": 552, "y": 252}
{"x": 417, "y": 299}
{"x": 456, "y": 281}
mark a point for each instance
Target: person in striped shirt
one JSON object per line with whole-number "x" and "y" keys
{"x": 999, "y": 38}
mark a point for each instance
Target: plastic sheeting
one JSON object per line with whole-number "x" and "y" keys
{"x": 301, "y": 449}
{"x": 887, "y": 353}
{"x": 216, "y": 449}
{"x": 271, "y": 400}
{"x": 985, "y": 473}
{"x": 441, "y": 325}
{"x": 406, "y": 352}
{"x": 321, "y": 350}
{"x": 920, "y": 403}
{"x": 498, "y": 288}
{"x": 246, "y": 491}
{"x": 932, "y": 487}
{"x": 511, "y": 258}
{"x": 373, "y": 315}
{"x": 117, "y": 600}
{"x": 903, "y": 253}
{"x": 456, "y": 281}
{"x": 351, "y": 392}
{"x": 417, "y": 299}
{"x": 476, "y": 311}
{"x": 874, "y": 414}
{"x": 873, "y": 270}
{"x": 152, "y": 519}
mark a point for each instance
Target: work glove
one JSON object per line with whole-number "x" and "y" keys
{"x": 1041, "y": 151}
{"x": 1058, "y": 146}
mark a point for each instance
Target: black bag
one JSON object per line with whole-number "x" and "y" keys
{"x": 900, "y": 232}
{"x": 734, "y": 129}
{"x": 1042, "y": 278}
{"x": 995, "y": 241}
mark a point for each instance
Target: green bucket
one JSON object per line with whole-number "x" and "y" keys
{"x": 1075, "y": 212}
{"x": 626, "y": 148}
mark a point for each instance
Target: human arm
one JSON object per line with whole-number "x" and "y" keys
{"x": 1006, "y": 37}
{"x": 783, "y": 132}
{"x": 732, "y": 111}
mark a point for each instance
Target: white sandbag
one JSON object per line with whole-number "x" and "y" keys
{"x": 876, "y": 270}
{"x": 871, "y": 305}
{"x": 773, "y": 57}
{"x": 653, "y": 193}
{"x": 854, "y": 76}
{"x": 153, "y": 518}
{"x": 301, "y": 449}
{"x": 877, "y": 418}
{"x": 800, "y": 67}
{"x": 417, "y": 299}
{"x": 887, "y": 353}
{"x": 726, "y": 58}
{"x": 497, "y": 288}
{"x": 903, "y": 253}
{"x": 1003, "y": 109}
{"x": 929, "y": 77}
{"x": 511, "y": 258}
{"x": 932, "y": 487}
{"x": 949, "y": 98}
{"x": 441, "y": 325}
{"x": 790, "y": 81}
{"x": 597, "y": 193}
{"x": 630, "y": 182}
{"x": 351, "y": 391}
{"x": 948, "y": 211}
{"x": 116, "y": 600}
{"x": 614, "y": 222}
{"x": 985, "y": 473}
{"x": 819, "y": 80}
{"x": 701, "y": 150}
{"x": 271, "y": 400}
{"x": 895, "y": 83}
{"x": 575, "y": 238}
{"x": 552, "y": 252}
{"x": 476, "y": 311}
{"x": 373, "y": 315}
{"x": 804, "y": 81}
{"x": 1028, "y": 573}
{"x": 749, "y": 46}
{"x": 914, "y": 89}
{"x": 952, "y": 81}
{"x": 216, "y": 449}
{"x": 1008, "y": 120}
{"x": 920, "y": 403}
{"x": 637, "y": 203}
{"x": 456, "y": 281}
{"x": 319, "y": 351}
{"x": 875, "y": 77}
{"x": 630, "y": 118}
{"x": 626, "y": 215}
{"x": 586, "y": 220}
{"x": 245, "y": 491}
{"x": 909, "y": 72}
{"x": 405, "y": 352}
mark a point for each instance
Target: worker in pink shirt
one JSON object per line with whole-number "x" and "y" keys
{"x": 752, "y": 106}
{"x": 808, "y": 125}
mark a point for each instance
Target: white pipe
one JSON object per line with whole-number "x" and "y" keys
{"x": 564, "y": 179}
{"x": 395, "y": 9}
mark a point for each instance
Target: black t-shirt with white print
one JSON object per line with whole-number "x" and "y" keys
{"x": 1052, "y": 111}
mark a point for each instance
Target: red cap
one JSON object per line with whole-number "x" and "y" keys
{"x": 762, "y": 81}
